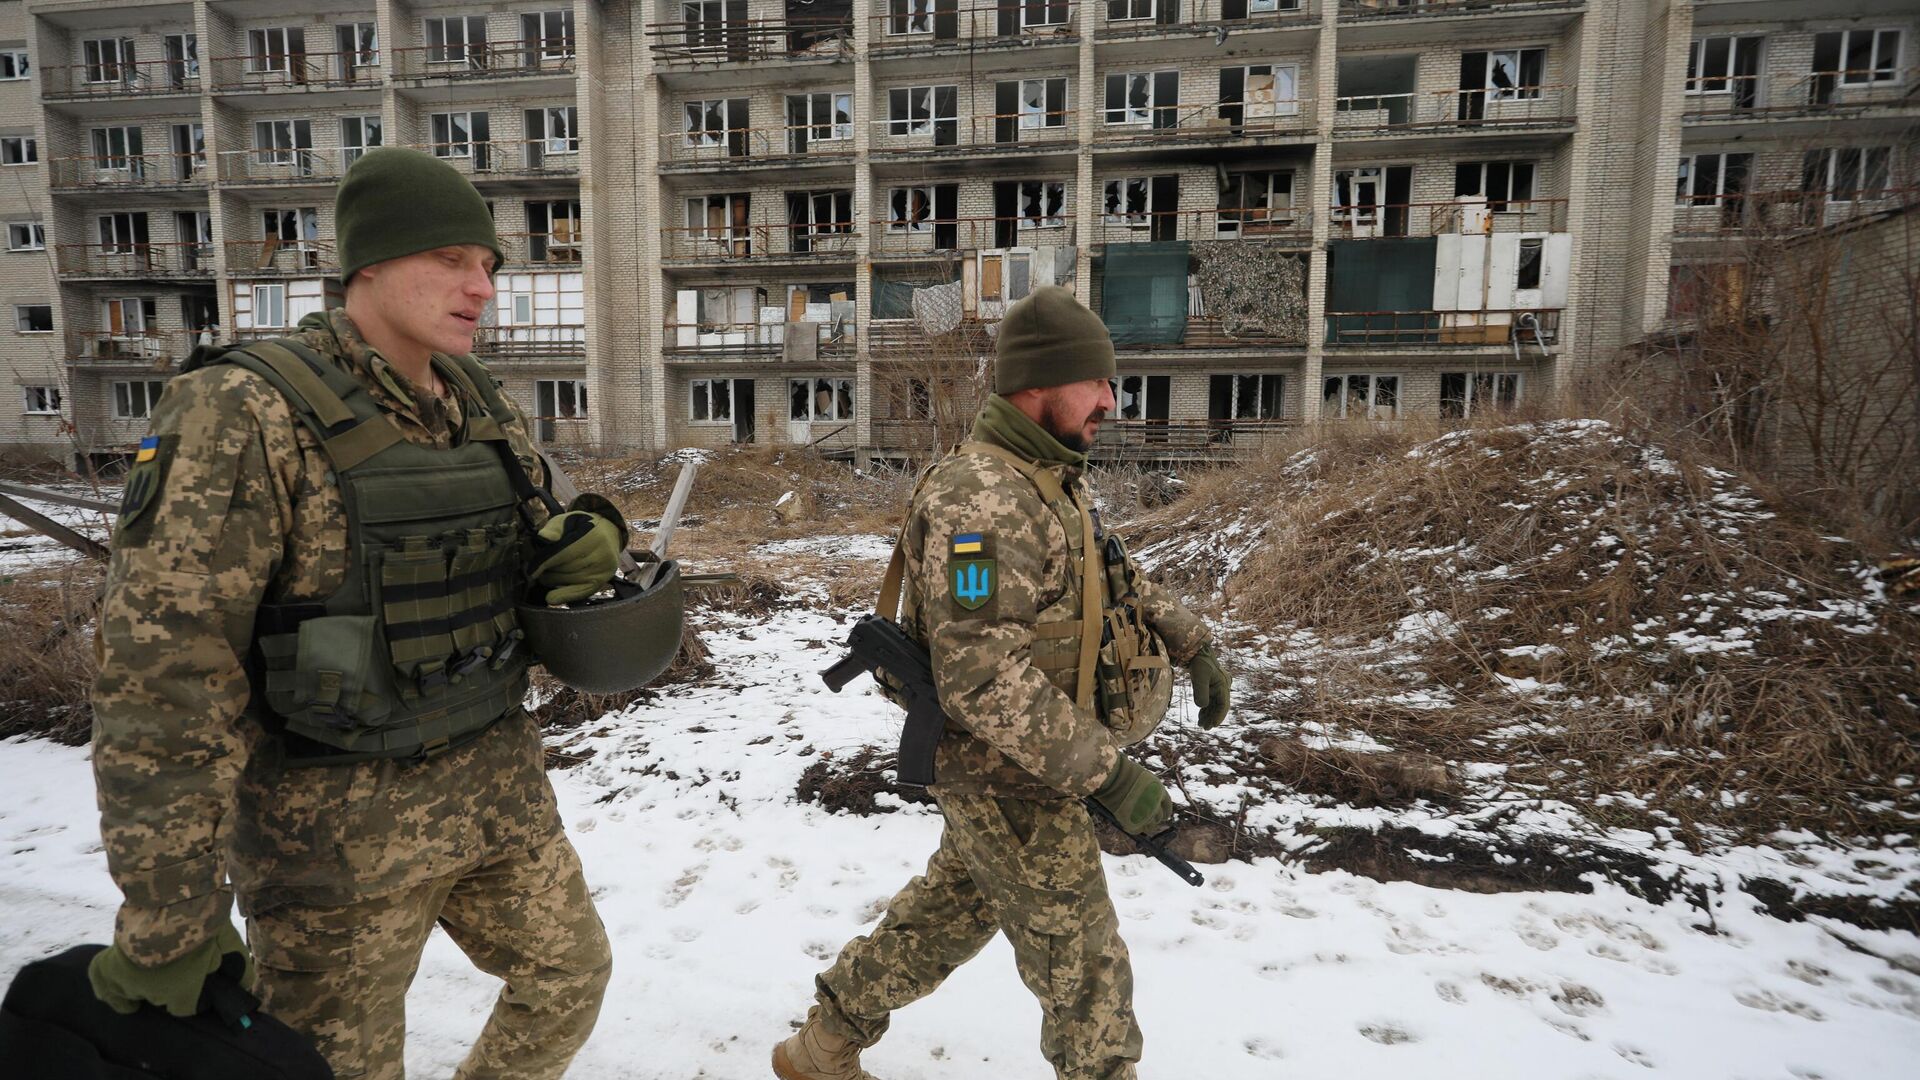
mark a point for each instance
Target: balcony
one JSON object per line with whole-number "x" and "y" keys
{"x": 274, "y": 167}
{"x": 1761, "y": 215}
{"x": 1497, "y": 328}
{"x": 282, "y": 258}
{"x": 530, "y": 57}
{"x": 558, "y": 249}
{"x": 129, "y": 171}
{"x": 948, "y": 236}
{"x": 530, "y": 344}
{"x": 300, "y": 71}
{"x": 1371, "y": 10}
{"x": 836, "y": 242}
{"x": 1473, "y": 217}
{"x": 133, "y": 260}
{"x": 152, "y": 350}
{"x": 1013, "y": 133}
{"x": 1165, "y": 440}
{"x": 145, "y": 78}
{"x": 1518, "y": 108}
{"x": 1822, "y": 94}
{"x": 1279, "y": 226}
{"x": 748, "y": 41}
{"x": 505, "y": 159}
{"x": 1217, "y": 122}
{"x": 689, "y": 151}
{"x": 705, "y": 342}
{"x": 1127, "y": 19}
{"x": 925, "y": 27}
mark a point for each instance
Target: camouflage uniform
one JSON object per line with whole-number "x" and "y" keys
{"x": 1018, "y": 853}
{"x": 341, "y": 870}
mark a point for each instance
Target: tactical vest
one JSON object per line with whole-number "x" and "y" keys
{"x": 1093, "y": 643}
{"x": 418, "y": 650}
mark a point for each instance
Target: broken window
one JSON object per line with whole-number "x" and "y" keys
{"x": 1511, "y": 74}
{"x": 283, "y": 142}
{"x": 457, "y": 39}
{"x": 118, "y": 148}
{"x": 1043, "y": 204}
{"x": 819, "y": 399}
{"x": 461, "y": 135}
{"x": 1130, "y": 202}
{"x": 1463, "y": 392}
{"x": 1499, "y": 182}
{"x": 109, "y": 60}
{"x": 121, "y": 233}
{"x": 1259, "y": 92}
{"x": 711, "y": 122}
{"x": 911, "y": 209}
{"x": 712, "y": 399}
{"x": 818, "y": 118}
{"x": 1043, "y": 103}
{"x": 1712, "y": 179}
{"x": 1375, "y": 397}
{"x": 1527, "y": 270}
{"x": 553, "y": 229}
{"x": 1858, "y": 57}
{"x": 560, "y": 399}
{"x": 815, "y": 214}
{"x": 1255, "y": 203}
{"x": 1844, "y": 174}
{"x": 1141, "y": 97}
{"x": 1724, "y": 65}
{"x": 917, "y": 110}
{"x": 722, "y": 221}
{"x": 909, "y": 16}
{"x": 1245, "y": 397}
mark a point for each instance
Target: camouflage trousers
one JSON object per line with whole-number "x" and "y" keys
{"x": 1029, "y": 869}
{"x": 340, "y": 974}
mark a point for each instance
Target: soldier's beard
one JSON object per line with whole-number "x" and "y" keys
{"x": 1071, "y": 436}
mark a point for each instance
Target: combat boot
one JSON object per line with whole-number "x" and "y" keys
{"x": 813, "y": 1053}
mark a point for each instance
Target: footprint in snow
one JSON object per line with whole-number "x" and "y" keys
{"x": 1568, "y": 1028}
{"x": 1220, "y": 884}
{"x": 1634, "y": 1054}
{"x": 1513, "y": 988}
{"x": 1536, "y": 936}
{"x": 1810, "y": 973}
{"x": 685, "y": 934}
{"x": 822, "y": 911}
{"x": 1576, "y": 1000}
{"x": 789, "y": 873}
{"x": 1297, "y": 911}
{"x": 820, "y": 950}
{"x": 1387, "y": 1033}
{"x": 1263, "y": 1048}
{"x": 1768, "y": 1001}
{"x": 1805, "y": 1072}
{"x": 1450, "y": 992}
{"x": 746, "y": 907}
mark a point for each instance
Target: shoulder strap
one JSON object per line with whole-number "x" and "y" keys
{"x": 319, "y": 393}
{"x": 887, "y": 606}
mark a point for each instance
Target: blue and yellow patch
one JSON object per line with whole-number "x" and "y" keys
{"x": 143, "y": 485}
{"x": 971, "y": 574}
{"x": 149, "y": 449}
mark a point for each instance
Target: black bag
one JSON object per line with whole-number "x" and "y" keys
{"x": 53, "y": 1028}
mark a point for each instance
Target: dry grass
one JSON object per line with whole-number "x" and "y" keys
{"x": 1604, "y": 553}
{"x": 46, "y": 657}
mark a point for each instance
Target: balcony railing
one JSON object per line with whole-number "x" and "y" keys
{"x": 1466, "y": 110}
{"x": 1476, "y": 218}
{"x": 1500, "y": 327}
{"x": 1381, "y": 9}
{"x": 994, "y": 131}
{"x": 557, "y": 248}
{"x": 1278, "y": 225}
{"x": 906, "y": 27}
{"x": 509, "y": 344}
{"x": 1201, "y": 332}
{"x": 734, "y": 146}
{"x": 950, "y": 235}
{"x": 487, "y": 59}
{"x": 264, "y": 72}
{"x": 115, "y": 79}
{"x": 301, "y": 166}
{"x": 1761, "y": 97}
{"x": 133, "y": 260}
{"x": 153, "y": 349}
{"x": 1151, "y": 440}
{"x": 719, "y": 340}
{"x": 281, "y": 258}
{"x": 1761, "y": 214}
{"x": 746, "y": 41}
{"x": 835, "y": 241}
{"x": 1224, "y": 120}
{"x": 1143, "y": 18}
{"x": 129, "y": 170}
{"x": 506, "y": 158}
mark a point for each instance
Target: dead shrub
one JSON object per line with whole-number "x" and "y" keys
{"x": 46, "y": 659}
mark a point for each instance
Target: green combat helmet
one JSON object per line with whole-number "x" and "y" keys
{"x": 615, "y": 644}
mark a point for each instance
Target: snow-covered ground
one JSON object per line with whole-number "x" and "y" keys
{"x": 724, "y": 896}
{"x": 23, "y": 549}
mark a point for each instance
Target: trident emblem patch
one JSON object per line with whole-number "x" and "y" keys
{"x": 971, "y": 572}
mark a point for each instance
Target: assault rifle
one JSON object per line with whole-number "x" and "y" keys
{"x": 878, "y": 645}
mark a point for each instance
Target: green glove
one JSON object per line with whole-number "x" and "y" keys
{"x": 1136, "y": 797}
{"x": 1211, "y": 687}
{"x": 575, "y": 554}
{"x": 174, "y": 986}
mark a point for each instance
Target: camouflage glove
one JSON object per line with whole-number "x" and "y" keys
{"x": 1135, "y": 797}
{"x": 1211, "y": 688}
{"x": 575, "y": 554}
{"x": 174, "y": 986}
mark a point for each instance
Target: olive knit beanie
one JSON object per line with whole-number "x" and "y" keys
{"x": 395, "y": 201}
{"x": 1051, "y": 339}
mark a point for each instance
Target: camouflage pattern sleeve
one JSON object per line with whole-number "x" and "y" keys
{"x": 982, "y": 658}
{"x": 1182, "y": 630}
{"x": 200, "y": 533}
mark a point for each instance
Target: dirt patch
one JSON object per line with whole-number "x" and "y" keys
{"x": 1483, "y": 864}
{"x": 1781, "y": 901}
{"x": 848, "y": 783}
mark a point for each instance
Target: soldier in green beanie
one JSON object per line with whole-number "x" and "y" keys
{"x": 1049, "y": 671}
{"x": 311, "y": 673}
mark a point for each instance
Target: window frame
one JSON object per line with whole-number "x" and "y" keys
{"x": 123, "y": 395}
{"x": 36, "y": 236}
{"x": 52, "y": 404}
{"x": 905, "y": 127}
{"x": 449, "y": 148}
{"x": 838, "y": 387}
{"x": 1520, "y": 90}
{"x": 705, "y": 137}
{"x": 909, "y": 224}
{"x": 1232, "y": 222}
{"x": 99, "y": 69}
{"x": 1833, "y": 160}
{"x": 1685, "y": 193}
{"x": 1470, "y": 392}
{"x": 1873, "y": 69}
{"x": 260, "y": 54}
{"x": 1153, "y": 104}
{"x": 282, "y": 155}
{"x": 569, "y": 119}
{"x": 269, "y": 288}
{"x": 1023, "y": 223}
{"x": 22, "y": 62}
{"x": 694, "y": 386}
{"x": 910, "y": 18}
{"x": 1131, "y": 10}
{"x": 1142, "y": 219}
{"x": 21, "y": 318}
{"x": 1504, "y": 203}
{"x": 574, "y": 399}
{"x": 351, "y": 149}
{"x": 447, "y": 48}
{"x": 28, "y": 147}
{"x": 1027, "y": 120}
{"x": 836, "y": 130}
{"x": 1374, "y": 379}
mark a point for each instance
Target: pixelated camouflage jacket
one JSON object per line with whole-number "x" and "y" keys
{"x": 1016, "y": 730}
{"x": 192, "y": 789}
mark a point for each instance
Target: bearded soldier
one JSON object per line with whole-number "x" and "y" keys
{"x": 1050, "y": 656}
{"x": 311, "y": 672}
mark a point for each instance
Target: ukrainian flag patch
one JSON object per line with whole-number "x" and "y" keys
{"x": 971, "y": 573}
{"x": 968, "y": 544}
{"x": 149, "y": 449}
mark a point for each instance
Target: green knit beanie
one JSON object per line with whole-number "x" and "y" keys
{"x": 1051, "y": 339}
{"x": 395, "y": 201}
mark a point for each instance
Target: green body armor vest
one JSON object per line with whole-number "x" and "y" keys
{"x": 418, "y": 651}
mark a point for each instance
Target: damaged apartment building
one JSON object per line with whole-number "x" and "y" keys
{"x": 797, "y": 222}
